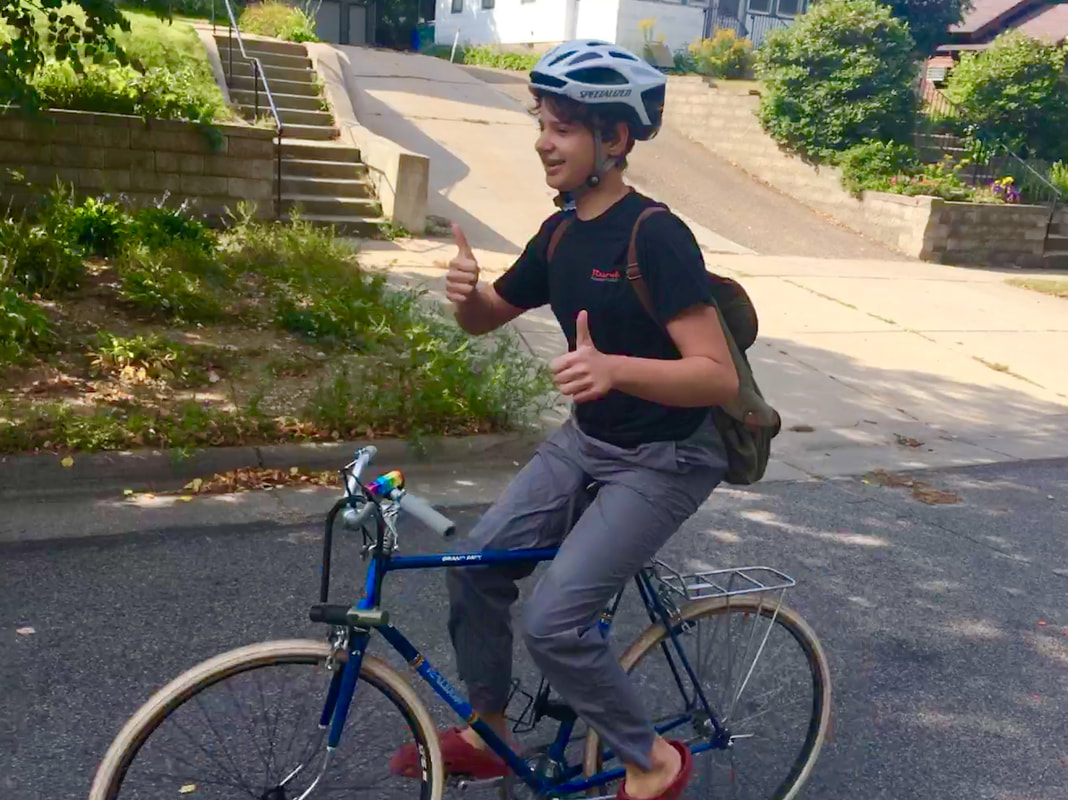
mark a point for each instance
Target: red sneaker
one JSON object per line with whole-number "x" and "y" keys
{"x": 461, "y": 758}
{"x": 676, "y": 787}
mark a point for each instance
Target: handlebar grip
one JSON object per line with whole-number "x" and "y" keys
{"x": 422, "y": 511}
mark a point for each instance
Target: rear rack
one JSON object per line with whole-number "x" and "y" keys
{"x": 721, "y": 582}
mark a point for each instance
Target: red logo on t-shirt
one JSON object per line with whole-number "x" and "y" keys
{"x": 603, "y": 275}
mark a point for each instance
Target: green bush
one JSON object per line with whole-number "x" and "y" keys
{"x": 279, "y": 19}
{"x": 872, "y": 165}
{"x": 491, "y": 57}
{"x": 98, "y": 227}
{"x": 158, "y": 227}
{"x": 840, "y": 74}
{"x": 1016, "y": 92}
{"x": 725, "y": 55}
{"x": 24, "y": 327}
{"x": 158, "y": 93}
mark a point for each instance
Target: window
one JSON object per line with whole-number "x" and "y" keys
{"x": 457, "y": 6}
{"x": 790, "y": 8}
{"x": 488, "y": 3}
{"x": 760, "y": 6}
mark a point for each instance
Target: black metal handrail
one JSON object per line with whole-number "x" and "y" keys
{"x": 258, "y": 76}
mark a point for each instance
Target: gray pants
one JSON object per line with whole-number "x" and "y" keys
{"x": 646, "y": 493}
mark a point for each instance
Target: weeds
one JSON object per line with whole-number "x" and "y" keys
{"x": 392, "y": 363}
{"x": 148, "y": 357}
{"x": 178, "y": 282}
{"x": 24, "y": 328}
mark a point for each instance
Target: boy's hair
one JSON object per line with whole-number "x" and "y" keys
{"x": 601, "y": 122}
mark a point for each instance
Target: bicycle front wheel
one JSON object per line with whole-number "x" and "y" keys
{"x": 245, "y": 724}
{"x": 765, "y": 678}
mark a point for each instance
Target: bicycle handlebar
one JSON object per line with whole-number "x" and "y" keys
{"x": 422, "y": 511}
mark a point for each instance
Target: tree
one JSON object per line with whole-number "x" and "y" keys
{"x": 1016, "y": 92}
{"x": 929, "y": 20}
{"x": 67, "y": 38}
{"x": 840, "y": 75}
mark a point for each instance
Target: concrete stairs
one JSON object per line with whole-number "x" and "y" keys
{"x": 321, "y": 177}
{"x": 1055, "y": 255}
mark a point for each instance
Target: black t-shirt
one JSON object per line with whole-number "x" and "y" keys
{"x": 588, "y": 271}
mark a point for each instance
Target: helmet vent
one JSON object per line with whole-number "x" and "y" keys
{"x": 598, "y": 76}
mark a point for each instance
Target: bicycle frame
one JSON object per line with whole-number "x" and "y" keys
{"x": 344, "y": 681}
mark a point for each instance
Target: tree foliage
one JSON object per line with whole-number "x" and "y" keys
{"x": 929, "y": 20}
{"x": 840, "y": 75}
{"x": 1016, "y": 92}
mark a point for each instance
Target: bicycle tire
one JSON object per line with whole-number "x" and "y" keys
{"x": 821, "y": 719}
{"x": 124, "y": 748}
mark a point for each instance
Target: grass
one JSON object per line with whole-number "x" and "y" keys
{"x": 185, "y": 337}
{"x": 1056, "y": 288}
{"x": 486, "y": 56}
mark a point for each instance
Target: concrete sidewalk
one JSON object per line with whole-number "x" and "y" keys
{"x": 873, "y": 362}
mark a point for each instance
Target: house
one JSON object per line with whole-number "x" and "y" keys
{"x": 539, "y": 24}
{"x": 987, "y": 19}
{"x": 1043, "y": 19}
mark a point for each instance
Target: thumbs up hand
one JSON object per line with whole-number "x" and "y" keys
{"x": 585, "y": 373}
{"x": 462, "y": 277}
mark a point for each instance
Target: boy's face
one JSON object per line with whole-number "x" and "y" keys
{"x": 566, "y": 150}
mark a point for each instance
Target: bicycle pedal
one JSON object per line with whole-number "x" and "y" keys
{"x": 472, "y": 784}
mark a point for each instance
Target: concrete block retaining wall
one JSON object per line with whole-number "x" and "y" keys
{"x": 143, "y": 160}
{"x": 724, "y": 120}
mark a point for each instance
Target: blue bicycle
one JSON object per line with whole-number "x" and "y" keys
{"x": 724, "y": 665}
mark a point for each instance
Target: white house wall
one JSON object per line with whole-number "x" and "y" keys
{"x": 678, "y": 24}
{"x": 597, "y": 19}
{"x": 510, "y": 22}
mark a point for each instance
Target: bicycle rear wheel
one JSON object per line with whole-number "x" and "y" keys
{"x": 245, "y": 724}
{"x": 766, "y": 679}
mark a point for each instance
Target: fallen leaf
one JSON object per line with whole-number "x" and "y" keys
{"x": 907, "y": 441}
{"x": 194, "y": 485}
{"x": 185, "y": 498}
{"x": 294, "y": 470}
{"x": 67, "y": 462}
{"x": 127, "y": 492}
{"x": 25, "y": 631}
{"x": 189, "y": 788}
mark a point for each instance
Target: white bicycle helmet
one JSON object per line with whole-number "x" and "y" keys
{"x": 601, "y": 73}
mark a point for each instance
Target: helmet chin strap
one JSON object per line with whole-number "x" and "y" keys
{"x": 602, "y": 164}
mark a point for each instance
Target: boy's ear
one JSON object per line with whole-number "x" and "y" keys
{"x": 615, "y": 139}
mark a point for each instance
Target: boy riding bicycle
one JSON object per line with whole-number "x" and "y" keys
{"x": 642, "y": 385}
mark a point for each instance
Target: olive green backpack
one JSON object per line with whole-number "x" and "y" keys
{"x": 748, "y": 423}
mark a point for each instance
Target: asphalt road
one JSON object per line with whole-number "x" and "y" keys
{"x": 947, "y": 626}
{"x": 721, "y": 196}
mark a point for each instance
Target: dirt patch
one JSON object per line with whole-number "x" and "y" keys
{"x": 920, "y": 490}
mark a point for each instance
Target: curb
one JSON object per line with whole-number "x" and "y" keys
{"x": 26, "y": 476}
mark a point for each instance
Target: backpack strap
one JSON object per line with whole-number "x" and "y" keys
{"x": 557, "y": 235}
{"x": 749, "y": 407}
{"x": 634, "y": 272}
